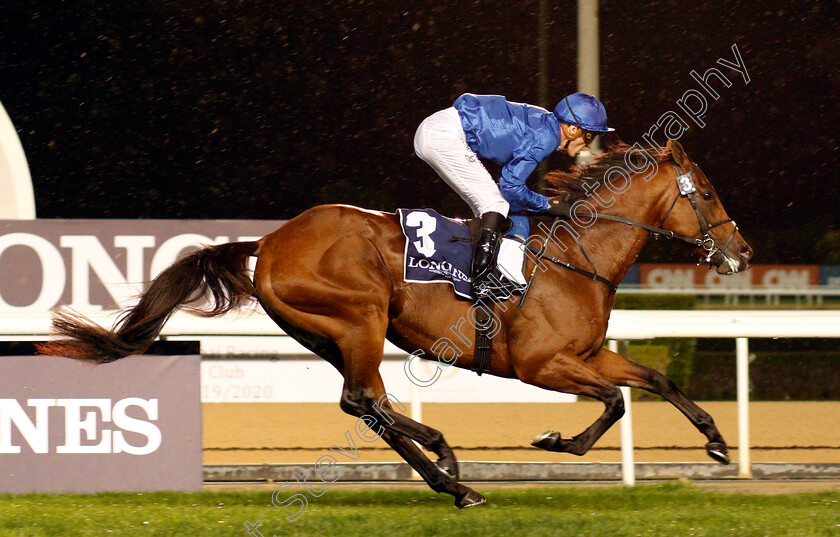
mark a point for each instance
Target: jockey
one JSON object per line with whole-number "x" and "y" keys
{"x": 514, "y": 135}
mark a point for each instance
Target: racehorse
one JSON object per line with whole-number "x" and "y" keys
{"x": 332, "y": 278}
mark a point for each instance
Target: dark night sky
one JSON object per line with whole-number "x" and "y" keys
{"x": 255, "y": 109}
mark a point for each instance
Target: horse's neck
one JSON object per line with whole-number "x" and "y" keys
{"x": 613, "y": 246}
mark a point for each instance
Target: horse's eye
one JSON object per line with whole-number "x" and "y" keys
{"x": 708, "y": 196}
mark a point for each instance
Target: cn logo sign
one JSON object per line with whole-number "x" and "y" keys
{"x": 670, "y": 277}
{"x": 90, "y": 425}
{"x": 786, "y": 278}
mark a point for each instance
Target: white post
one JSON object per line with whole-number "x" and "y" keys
{"x": 416, "y": 404}
{"x": 416, "y": 415}
{"x": 542, "y": 73}
{"x": 588, "y": 68}
{"x": 743, "y": 379}
{"x": 628, "y": 470}
{"x": 542, "y": 56}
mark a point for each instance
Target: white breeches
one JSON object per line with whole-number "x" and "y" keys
{"x": 440, "y": 141}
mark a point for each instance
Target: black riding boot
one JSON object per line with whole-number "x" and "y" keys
{"x": 486, "y": 249}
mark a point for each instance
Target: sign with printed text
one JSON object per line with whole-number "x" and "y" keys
{"x": 313, "y": 380}
{"x": 678, "y": 276}
{"x": 100, "y": 264}
{"x": 131, "y": 425}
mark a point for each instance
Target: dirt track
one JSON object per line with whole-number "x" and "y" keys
{"x": 285, "y": 432}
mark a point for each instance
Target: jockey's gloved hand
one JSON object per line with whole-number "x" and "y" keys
{"x": 558, "y": 207}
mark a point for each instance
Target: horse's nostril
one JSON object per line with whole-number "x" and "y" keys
{"x": 746, "y": 253}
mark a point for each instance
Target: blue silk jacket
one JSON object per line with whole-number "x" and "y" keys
{"x": 514, "y": 135}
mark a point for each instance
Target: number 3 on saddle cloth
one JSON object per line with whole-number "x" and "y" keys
{"x": 439, "y": 249}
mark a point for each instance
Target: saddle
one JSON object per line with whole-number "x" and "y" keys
{"x": 439, "y": 249}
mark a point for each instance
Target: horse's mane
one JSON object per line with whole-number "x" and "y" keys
{"x": 571, "y": 184}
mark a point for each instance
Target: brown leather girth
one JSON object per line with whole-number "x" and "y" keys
{"x": 483, "y": 356}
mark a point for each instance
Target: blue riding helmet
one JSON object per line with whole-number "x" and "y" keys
{"x": 584, "y": 111}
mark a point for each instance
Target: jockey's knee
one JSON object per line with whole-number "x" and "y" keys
{"x": 494, "y": 206}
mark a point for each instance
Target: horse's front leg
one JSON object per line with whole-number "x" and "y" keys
{"x": 570, "y": 374}
{"x": 624, "y": 372}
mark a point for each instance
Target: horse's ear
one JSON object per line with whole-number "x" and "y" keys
{"x": 677, "y": 152}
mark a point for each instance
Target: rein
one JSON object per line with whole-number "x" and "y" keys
{"x": 687, "y": 189}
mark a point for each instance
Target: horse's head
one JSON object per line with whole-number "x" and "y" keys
{"x": 698, "y": 213}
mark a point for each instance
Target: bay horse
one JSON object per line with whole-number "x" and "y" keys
{"x": 332, "y": 278}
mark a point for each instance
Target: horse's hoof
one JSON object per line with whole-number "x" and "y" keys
{"x": 470, "y": 499}
{"x": 718, "y": 451}
{"x": 547, "y": 440}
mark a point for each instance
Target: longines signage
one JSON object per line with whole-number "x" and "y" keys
{"x": 99, "y": 264}
{"x": 134, "y": 424}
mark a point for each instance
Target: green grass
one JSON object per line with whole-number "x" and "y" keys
{"x": 658, "y": 510}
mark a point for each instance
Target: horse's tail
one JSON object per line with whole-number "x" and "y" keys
{"x": 218, "y": 271}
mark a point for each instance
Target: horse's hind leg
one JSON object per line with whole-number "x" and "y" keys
{"x": 365, "y": 398}
{"x": 624, "y": 372}
{"x": 431, "y": 474}
{"x": 569, "y": 374}
{"x": 426, "y": 436}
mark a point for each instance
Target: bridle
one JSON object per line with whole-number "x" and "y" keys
{"x": 687, "y": 189}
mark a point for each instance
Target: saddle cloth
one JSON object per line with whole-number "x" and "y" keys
{"x": 439, "y": 249}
